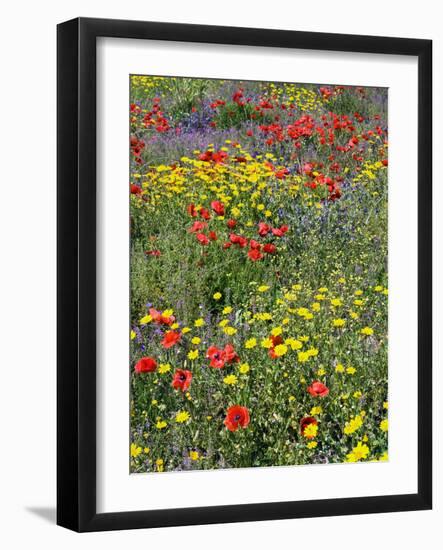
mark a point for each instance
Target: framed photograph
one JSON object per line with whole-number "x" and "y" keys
{"x": 244, "y": 274}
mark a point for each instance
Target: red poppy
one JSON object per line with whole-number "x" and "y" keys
{"x": 236, "y": 417}
{"x": 217, "y": 157}
{"x": 280, "y": 231}
{"x": 237, "y": 97}
{"x": 155, "y": 253}
{"x": 281, "y": 174}
{"x": 308, "y": 167}
{"x": 254, "y": 245}
{"x": 263, "y": 229}
{"x": 202, "y": 239}
{"x": 218, "y": 207}
{"x": 191, "y": 210}
{"x": 230, "y": 354}
{"x": 212, "y": 235}
{"x": 255, "y": 255}
{"x": 227, "y": 245}
{"x": 182, "y": 379}
{"x": 160, "y": 319}
{"x": 238, "y": 239}
{"x": 171, "y": 338}
{"x": 204, "y": 213}
{"x": 135, "y": 189}
{"x": 276, "y": 340}
{"x": 218, "y": 357}
{"x": 317, "y": 389}
{"x": 305, "y": 422}
{"x": 145, "y": 364}
{"x": 231, "y": 224}
{"x": 269, "y": 248}
{"x": 197, "y": 227}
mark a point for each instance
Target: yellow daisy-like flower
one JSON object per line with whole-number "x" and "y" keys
{"x": 303, "y": 338}
{"x": 230, "y": 331}
{"x": 196, "y": 340}
{"x": 227, "y": 310}
{"x": 315, "y": 411}
{"x": 312, "y": 444}
{"x": 302, "y": 356}
{"x": 358, "y": 292}
{"x": 266, "y": 343}
{"x": 194, "y": 455}
{"x": 263, "y": 288}
{"x": 338, "y": 322}
{"x": 217, "y": 295}
{"x": 339, "y": 368}
{"x": 135, "y": 450}
{"x": 378, "y": 288}
{"x": 199, "y": 322}
{"x": 276, "y": 331}
{"x": 323, "y": 290}
{"x": 223, "y": 322}
{"x": 358, "y": 302}
{"x": 182, "y": 416}
{"x": 133, "y": 335}
{"x": 250, "y": 343}
{"x": 174, "y": 326}
{"x": 367, "y": 331}
{"x": 358, "y": 453}
{"x": 353, "y": 425}
{"x": 384, "y": 425}
{"x": 351, "y": 370}
{"x": 145, "y": 320}
{"x": 312, "y": 352}
{"x": 384, "y": 457}
{"x": 193, "y": 354}
{"x": 293, "y": 343}
{"x": 280, "y": 350}
{"x": 161, "y": 424}
{"x": 336, "y": 302}
{"x": 230, "y": 380}
{"x": 244, "y": 368}
{"x": 321, "y": 372}
{"x": 185, "y": 330}
{"x": 168, "y": 312}
{"x": 385, "y": 405}
{"x": 163, "y": 368}
{"x": 311, "y": 430}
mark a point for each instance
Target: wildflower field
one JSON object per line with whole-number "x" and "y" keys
{"x": 259, "y": 279}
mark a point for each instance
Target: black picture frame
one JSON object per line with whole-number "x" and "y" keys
{"x": 76, "y": 280}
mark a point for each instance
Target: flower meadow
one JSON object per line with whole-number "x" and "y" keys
{"x": 259, "y": 285}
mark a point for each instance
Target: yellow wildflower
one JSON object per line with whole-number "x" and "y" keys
{"x": 230, "y": 380}
{"x": 182, "y": 416}
{"x": 250, "y": 343}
